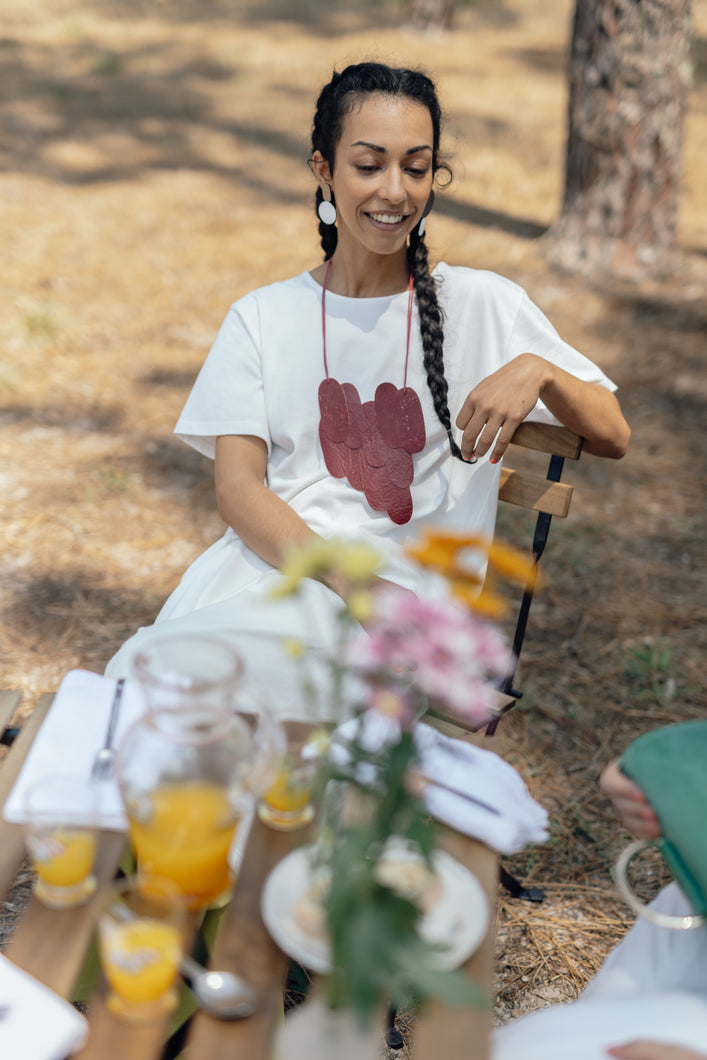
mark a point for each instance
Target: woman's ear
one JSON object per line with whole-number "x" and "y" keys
{"x": 320, "y": 168}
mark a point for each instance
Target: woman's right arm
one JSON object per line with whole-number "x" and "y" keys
{"x": 265, "y": 522}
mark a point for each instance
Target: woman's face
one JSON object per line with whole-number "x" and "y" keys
{"x": 382, "y": 175}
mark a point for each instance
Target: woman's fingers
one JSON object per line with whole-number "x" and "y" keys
{"x": 495, "y": 407}
{"x": 630, "y": 803}
{"x": 643, "y": 1050}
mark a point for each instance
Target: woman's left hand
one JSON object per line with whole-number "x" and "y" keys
{"x": 645, "y": 1050}
{"x": 498, "y": 404}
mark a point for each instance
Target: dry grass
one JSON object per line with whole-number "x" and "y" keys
{"x": 150, "y": 152}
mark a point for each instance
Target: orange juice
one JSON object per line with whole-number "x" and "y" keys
{"x": 289, "y": 792}
{"x": 287, "y": 803}
{"x": 65, "y": 857}
{"x": 140, "y": 959}
{"x": 186, "y": 838}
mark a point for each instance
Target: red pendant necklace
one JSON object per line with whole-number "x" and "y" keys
{"x": 371, "y": 443}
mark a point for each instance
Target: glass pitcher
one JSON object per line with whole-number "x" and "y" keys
{"x": 187, "y": 768}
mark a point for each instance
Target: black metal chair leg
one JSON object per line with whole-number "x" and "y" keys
{"x": 393, "y": 1037}
{"x": 516, "y": 889}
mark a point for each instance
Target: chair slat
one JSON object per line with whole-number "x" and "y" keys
{"x": 531, "y": 491}
{"x": 547, "y": 438}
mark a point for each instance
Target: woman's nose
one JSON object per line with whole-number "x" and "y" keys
{"x": 393, "y": 189}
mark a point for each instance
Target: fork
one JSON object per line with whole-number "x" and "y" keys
{"x": 102, "y": 767}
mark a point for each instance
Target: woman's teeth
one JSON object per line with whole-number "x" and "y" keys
{"x": 388, "y": 218}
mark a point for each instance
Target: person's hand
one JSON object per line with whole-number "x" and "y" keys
{"x": 499, "y": 403}
{"x": 654, "y": 1051}
{"x": 630, "y": 804}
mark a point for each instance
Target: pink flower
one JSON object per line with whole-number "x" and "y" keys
{"x": 448, "y": 653}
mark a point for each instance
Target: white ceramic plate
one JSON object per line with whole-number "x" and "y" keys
{"x": 458, "y": 920}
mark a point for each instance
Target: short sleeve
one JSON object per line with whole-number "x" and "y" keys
{"x": 532, "y": 332}
{"x": 228, "y": 396}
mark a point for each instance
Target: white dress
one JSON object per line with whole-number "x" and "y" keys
{"x": 652, "y": 986}
{"x": 262, "y": 377}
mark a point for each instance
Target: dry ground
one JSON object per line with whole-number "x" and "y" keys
{"x": 153, "y": 169}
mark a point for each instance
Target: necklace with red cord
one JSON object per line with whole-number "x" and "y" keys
{"x": 371, "y": 443}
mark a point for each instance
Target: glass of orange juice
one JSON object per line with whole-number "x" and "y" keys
{"x": 60, "y": 836}
{"x": 289, "y": 801}
{"x": 140, "y": 935}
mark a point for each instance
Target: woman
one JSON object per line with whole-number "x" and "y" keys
{"x": 649, "y": 999}
{"x": 327, "y": 400}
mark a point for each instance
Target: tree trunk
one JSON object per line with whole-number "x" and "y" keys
{"x": 430, "y": 16}
{"x": 628, "y": 76}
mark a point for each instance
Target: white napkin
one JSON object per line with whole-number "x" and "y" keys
{"x": 514, "y": 818}
{"x": 36, "y": 1023}
{"x": 72, "y": 732}
{"x": 505, "y": 817}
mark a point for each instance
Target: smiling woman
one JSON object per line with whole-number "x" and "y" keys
{"x": 328, "y": 400}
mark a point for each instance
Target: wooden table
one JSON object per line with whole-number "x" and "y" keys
{"x": 51, "y": 946}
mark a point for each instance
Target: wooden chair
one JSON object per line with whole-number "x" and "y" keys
{"x": 546, "y": 496}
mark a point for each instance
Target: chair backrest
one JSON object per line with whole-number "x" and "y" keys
{"x": 548, "y": 497}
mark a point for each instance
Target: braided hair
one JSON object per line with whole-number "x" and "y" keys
{"x": 335, "y": 101}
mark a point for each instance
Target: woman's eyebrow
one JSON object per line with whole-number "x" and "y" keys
{"x": 383, "y": 150}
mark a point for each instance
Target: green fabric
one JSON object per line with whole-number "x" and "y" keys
{"x": 670, "y": 767}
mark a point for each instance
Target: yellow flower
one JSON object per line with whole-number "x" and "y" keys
{"x": 484, "y": 602}
{"x": 513, "y": 565}
{"x": 293, "y": 647}
{"x": 285, "y": 586}
{"x": 447, "y": 552}
{"x": 307, "y": 561}
{"x": 356, "y": 561}
{"x": 360, "y": 605}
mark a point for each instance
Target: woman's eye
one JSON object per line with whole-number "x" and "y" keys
{"x": 366, "y": 169}
{"x": 418, "y": 172}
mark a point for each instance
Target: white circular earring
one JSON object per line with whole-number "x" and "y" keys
{"x": 326, "y": 208}
{"x": 423, "y": 220}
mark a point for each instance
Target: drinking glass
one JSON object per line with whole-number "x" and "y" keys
{"x": 289, "y": 801}
{"x": 60, "y": 836}
{"x": 141, "y": 945}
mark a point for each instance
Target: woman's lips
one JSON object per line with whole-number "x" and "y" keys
{"x": 387, "y": 220}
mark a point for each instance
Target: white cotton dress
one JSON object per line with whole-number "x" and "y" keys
{"x": 262, "y": 377}
{"x": 652, "y": 986}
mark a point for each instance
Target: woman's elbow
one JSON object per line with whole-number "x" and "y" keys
{"x": 613, "y": 445}
{"x": 620, "y": 438}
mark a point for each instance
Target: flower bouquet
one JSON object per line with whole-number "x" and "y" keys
{"x": 397, "y": 656}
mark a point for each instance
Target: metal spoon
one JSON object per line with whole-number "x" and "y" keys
{"x": 222, "y": 994}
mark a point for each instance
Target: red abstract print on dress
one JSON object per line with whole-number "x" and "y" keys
{"x": 371, "y": 443}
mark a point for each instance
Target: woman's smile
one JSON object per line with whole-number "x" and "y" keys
{"x": 387, "y": 220}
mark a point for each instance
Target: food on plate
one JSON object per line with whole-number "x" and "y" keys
{"x": 400, "y": 868}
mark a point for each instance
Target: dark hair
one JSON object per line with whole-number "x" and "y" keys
{"x": 335, "y": 101}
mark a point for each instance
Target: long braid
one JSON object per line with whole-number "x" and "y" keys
{"x": 431, "y": 332}
{"x": 335, "y": 100}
